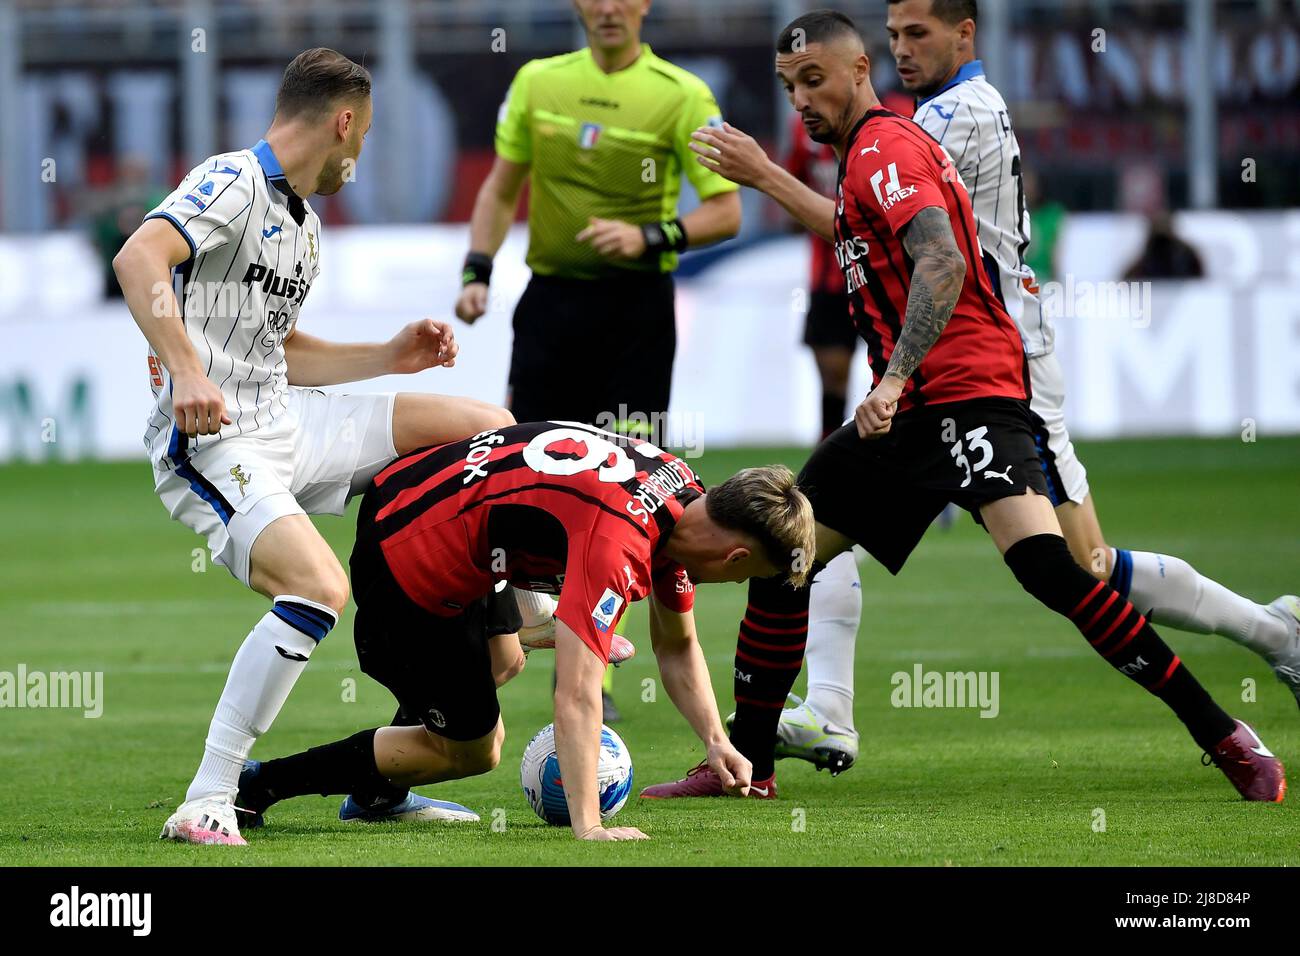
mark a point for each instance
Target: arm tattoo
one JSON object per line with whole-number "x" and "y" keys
{"x": 937, "y": 279}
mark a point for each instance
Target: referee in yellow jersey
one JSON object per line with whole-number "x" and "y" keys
{"x": 603, "y": 132}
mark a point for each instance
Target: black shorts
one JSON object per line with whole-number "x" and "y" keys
{"x": 598, "y": 351}
{"x": 883, "y": 493}
{"x": 828, "y": 323}
{"x": 438, "y": 668}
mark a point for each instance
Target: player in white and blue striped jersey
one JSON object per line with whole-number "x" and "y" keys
{"x": 243, "y": 445}
{"x": 933, "y": 44}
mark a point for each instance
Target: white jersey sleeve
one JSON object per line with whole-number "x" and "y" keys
{"x": 209, "y": 200}
{"x": 971, "y": 120}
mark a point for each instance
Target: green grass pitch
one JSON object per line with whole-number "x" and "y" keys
{"x": 94, "y": 577}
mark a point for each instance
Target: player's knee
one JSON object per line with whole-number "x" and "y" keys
{"x": 329, "y": 582}
{"x": 488, "y": 417}
{"x": 1092, "y": 554}
{"x": 318, "y": 578}
{"x": 328, "y": 587}
{"x": 1043, "y": 565}
{"x": 1084, "y": 536}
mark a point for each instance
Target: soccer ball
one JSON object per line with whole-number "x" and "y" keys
{"x": 539, "y": 775}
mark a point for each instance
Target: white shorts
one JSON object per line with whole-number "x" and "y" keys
{"x": 1067, "y": 479}
{"x": 322, "y": 450}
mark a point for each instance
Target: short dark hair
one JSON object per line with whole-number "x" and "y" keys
{"x": 951, "y": 12}
{"x": 317, "y": 79}
{"x": 815, "y": 26}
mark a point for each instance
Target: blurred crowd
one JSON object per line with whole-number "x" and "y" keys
{"x": 1099, "y": 132}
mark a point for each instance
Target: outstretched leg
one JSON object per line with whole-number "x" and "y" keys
{"x": 1170, "y": 591}
{"x": 382, "y": 759}
{"x": 1025, "y": 530}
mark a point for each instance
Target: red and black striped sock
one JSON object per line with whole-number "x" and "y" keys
{"x": 1117, "y": 631}
{"x": 769, "y": 654}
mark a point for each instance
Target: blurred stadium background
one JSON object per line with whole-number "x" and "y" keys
{"x": 1132, "y": 117}
{"x": 1182, "y": 115}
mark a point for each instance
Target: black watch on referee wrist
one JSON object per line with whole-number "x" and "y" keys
{"x": 477, "y": 268}
{"x": 666, "y": 236}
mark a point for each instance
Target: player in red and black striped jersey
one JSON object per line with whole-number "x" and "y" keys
{"x": 947, "y": 419}
{"x": 829, "y": 329}
{"x": 544, "y": 505}
{"x": 601, "y": 519}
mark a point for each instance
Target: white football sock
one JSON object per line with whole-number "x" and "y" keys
{"x": 834, "y": 611}
{"x": 535, "y": 607}
{"x": 262, "y": 674}
{"x": 1170, "y": 591}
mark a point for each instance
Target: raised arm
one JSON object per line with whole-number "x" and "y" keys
{"x": 737, "y": 156}
{"x": 420, "y": 345}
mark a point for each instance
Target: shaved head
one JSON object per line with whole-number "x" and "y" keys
{"x": 822, "y": 62}
{"x": 818, "y": 26}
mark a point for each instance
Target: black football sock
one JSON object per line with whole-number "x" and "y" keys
{"x": 1117, "y": 631}
{"x": 385, "y": 794}
{"x": 769, "y": 654}
{"x": 341, "y": 767}
{"x": 833, "y": 411}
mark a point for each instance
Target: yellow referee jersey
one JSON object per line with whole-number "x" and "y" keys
{"x": 607, "y": 145}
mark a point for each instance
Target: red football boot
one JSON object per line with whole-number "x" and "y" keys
{"x": 1249, "y": 765}
{"x": 701, "y": 781}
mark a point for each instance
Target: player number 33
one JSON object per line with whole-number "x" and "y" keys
{"x": 977, "y": 444}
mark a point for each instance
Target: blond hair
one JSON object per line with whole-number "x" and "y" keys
{"x": 766, "y": 504}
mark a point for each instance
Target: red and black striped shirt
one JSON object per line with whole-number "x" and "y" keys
{"x": 890, "y": 171}
{"x": 547, "y": 506}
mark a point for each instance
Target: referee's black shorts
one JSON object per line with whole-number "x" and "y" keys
{"x": 598, "y": 351}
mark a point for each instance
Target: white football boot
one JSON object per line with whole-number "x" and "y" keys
{"x": 804, "y": 735}
{"x": 542, "y": 638}
{"x": 1286, "y": 662}
{"x": 539, "y": 638}
{"x": 209, "y": 819}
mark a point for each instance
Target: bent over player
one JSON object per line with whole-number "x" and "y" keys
{"x": 948, "y": 418}
{"x": 612, "y": 519}
{"x": 242, "y": 446}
